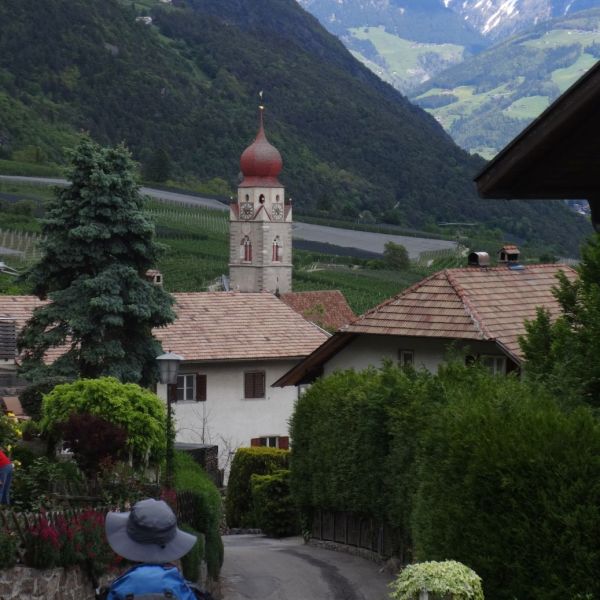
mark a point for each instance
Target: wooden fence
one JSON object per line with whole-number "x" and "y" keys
{"x": 358, "y": 531}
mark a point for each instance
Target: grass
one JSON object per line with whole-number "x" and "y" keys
{"x": 564, "y": 78}
{"x": 527, "y": 107}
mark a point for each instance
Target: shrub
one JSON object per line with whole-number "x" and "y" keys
{"x": 42, "y": 544}
{"x": 274, "y": 508}
{"x": 8, "y": 549}
{"x": 205, "y": 513}
{"x": 92, "y": 440}
{"x": 31, "y": 397}
{"x": 190, "y": 563}
{"x": 248, "y": 462}
{"x": 140, "y": 412}
{"x": 448, "y": 579}
{"x": 510, "y": 484}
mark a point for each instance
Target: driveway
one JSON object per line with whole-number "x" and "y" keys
{"x": 260, "y": 568}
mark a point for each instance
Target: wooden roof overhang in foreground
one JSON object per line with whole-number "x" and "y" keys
{"x": 557, "y": 156}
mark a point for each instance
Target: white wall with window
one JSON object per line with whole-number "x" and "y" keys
{"x": 239, "y": 406}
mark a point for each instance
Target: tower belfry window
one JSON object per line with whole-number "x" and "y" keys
{"x": 246, "y": 249}
{"x": 277, "y": 250}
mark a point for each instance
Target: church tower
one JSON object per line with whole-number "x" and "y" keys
{"x": 260, "y": 223}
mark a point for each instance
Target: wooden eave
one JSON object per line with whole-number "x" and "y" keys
{"x": 557, "y": 155}
{"x": 311, "y": 367}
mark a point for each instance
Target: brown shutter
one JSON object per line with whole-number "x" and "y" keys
{"x": 255, "y": 442}
{"x": 284, "y": 443}
{"x": 200, "y": 388}
{"x": 260, "y": 384}
{"x": 248, "y": 385}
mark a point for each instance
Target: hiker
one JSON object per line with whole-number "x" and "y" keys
{"x": 148, "y": 534}
{"x": 6, "y": 473}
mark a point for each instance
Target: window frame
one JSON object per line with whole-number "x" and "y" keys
{"x": 254, "y": 393}
{"x": 403, "y": 354}
{"x": 183, "y": 389}
{"x": 496, "y": 359}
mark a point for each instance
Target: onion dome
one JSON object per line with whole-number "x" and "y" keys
{"x": 261, "y": 162}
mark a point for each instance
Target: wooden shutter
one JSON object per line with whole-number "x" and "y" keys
{"x": 284, "y": 442}
{"x": 200, "y": 388}
{"x": 254, "y": 384}
{"x": 172, "y": 392}
{"x": 255, "y": 442}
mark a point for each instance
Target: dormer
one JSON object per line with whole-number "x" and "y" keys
{"x": 154, "y": 276}
{"x": 509, "y": 255}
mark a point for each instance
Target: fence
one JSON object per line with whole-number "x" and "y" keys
{"x": 23, "y": 245}
{"x": 208, "y": 220}
{"x": 359, "y": 531}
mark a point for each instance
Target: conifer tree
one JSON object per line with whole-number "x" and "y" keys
{"x": 99, "y": 244}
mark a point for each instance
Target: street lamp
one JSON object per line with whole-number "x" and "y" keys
{"x": 168, "y": 367}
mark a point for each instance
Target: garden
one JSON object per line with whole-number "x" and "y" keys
{"x": 90, "y": 446}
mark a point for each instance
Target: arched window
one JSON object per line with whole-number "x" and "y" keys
{"x": 246, "y": 249}
{"x": 247, "y": 197}
{"x": 261, "y": 198}
{"x": 277, "y": 250}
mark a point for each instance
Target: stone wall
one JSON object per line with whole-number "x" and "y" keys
{"x": 46, "y": 584}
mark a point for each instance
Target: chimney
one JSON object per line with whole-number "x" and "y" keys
{"x": 479, "y": 259}
{"x": 154, "y": 276}
{"x": 508, "y": 255}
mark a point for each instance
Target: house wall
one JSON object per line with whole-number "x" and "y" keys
{"x": 370, "y": 350}
{"x": 226, "y": 418}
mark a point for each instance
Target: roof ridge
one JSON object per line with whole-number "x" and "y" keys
{"x": 469, "y": 308}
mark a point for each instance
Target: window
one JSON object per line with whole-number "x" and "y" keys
{"x": 406, "y": 358}
{"x": 272, "y": 441}
{"x": 254, "y": 384}
{"x": 277, "y": 250}
{"x": 246, "y": 250}
{"x": 191, "y": 387}
{"x": 495, "y": 364}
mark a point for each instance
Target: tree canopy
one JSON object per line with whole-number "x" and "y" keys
{"x": 101, "y": 308}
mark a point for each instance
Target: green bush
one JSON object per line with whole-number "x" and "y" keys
{"x": 274, "y": 508}
{"x": 248, "y": 462}
{"x": 31, "y": 397}
{"x": 207, "y": 510}
{"x": 448, "y": 579}
{"x": 510, "y": 484}
{"x": 8, "y": 549}
{"x": 190, "y": 563}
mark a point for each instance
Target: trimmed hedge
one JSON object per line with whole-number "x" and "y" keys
{"x": 190, "y": 563}
{"x": 190, "y": 477}
{"x": 489, "y": 471}
{"x": 274, "y": 508}
{"x": 247, "y": 462}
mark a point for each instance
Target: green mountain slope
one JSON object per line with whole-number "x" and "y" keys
{"x": 187, "y": 84}
{"x": 486, "y": 100}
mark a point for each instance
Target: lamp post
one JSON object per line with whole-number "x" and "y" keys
{"x": 168, "y": 366}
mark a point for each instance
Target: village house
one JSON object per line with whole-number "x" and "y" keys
{"x": 477, "y": 311}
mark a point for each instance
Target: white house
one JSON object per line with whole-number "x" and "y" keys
{"x": 478, "y": 310}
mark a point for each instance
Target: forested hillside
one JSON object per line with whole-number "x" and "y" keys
{"x": 187, "y": 83}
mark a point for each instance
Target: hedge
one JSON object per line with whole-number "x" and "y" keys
{"x": 190, "y": 477}
{"x": 248, "y": 462}
{"x": 486, "y": 470}
{"x": 275, "y": 512}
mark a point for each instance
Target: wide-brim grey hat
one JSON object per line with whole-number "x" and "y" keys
{"x": 148, "y": 533}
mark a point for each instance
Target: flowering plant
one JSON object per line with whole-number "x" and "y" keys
{"x": 42, "y": 544}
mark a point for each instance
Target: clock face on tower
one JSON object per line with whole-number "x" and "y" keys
{"x": 246, "y": 210}
{"x": 277, "y": 212}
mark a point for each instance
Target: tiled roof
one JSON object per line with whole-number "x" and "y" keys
{"x": 217, "y": 326}
{"x": 328, "y": 308}
{"x": 471, "y": 303}
{"x": 237, "y": 326}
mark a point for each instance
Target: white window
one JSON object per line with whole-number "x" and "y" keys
{"x": 495, "y": 364}
{"x": 186, "y": 387}
{"x": 406, "y": 358}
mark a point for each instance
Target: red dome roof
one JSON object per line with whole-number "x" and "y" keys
{"x": 261, "y": 162}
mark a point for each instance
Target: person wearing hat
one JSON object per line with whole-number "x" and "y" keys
{"x": 148, "y": 534}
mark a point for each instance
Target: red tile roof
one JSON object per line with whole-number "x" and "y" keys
{"x": 471, "y": 303}
{"x": 328, "y": 308}
{"x": 216, "y": 326}
{"x": 238, "y": 326}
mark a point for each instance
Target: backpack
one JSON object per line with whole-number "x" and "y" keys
{"x": 151, "y": 582}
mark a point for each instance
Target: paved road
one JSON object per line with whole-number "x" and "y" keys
{"x": 347, "y": 238}
{"x": 258, "y": 568}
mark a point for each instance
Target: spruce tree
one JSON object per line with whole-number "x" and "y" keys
{"x": 101, "y": 308}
